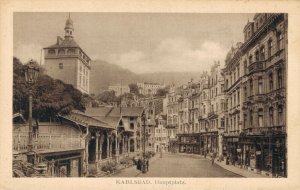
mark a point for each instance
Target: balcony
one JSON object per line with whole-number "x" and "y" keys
{"x": 46, "y": 142}
{"x": 281, "y": 129}
{"x": 256, "y": 66}
{"x": 212, "y": 114}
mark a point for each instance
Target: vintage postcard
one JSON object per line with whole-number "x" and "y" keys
{"x": 185, "y": 94}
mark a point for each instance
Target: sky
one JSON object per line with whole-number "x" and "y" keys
{"x": 140, "y": 42}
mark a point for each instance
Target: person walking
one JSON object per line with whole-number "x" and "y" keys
{"x": 147, "y": 165}
{"x": 212, "y": 159}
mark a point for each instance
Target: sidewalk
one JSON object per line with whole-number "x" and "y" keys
{"x": 234, "y": 169}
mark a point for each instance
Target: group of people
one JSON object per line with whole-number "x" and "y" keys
{"x": 139, "y": 164}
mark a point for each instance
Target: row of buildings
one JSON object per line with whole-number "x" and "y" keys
{"x": 239, "y": 111}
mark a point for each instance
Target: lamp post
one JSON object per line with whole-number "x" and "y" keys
{"x": 31, "y": 73}
{"x": 144, "y": 143}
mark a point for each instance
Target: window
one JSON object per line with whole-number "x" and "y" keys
{"x": 279, "y": 41}
{"x": 131, "y": 125}
{"x": 251, "y": 87}
{"x": 257, "y": 56}
{"x": 245, "y": 92}
{"x": 270, "y": 46}
{"x": 251, "y": 118}
{"x": 260, "y": 83}
{"x": 279, "y": 78}
{"x": 71, "y": 51}
{"x": 271, "y": 118}
{"x": 262, "y": 53}
{"x": 271, "y": 81}
{"x": 61, "y": 66}
{"x": 250, "y": 59}
{"x": 280, "y": 114}
{"x": 245, "y": 67}
{"x": 51, "y": 51}
{"x": 238, "y": 97}
{"x": 260, "y": 117}
{"x": 238, "y": 71}
{"x": 245, "y": 121}
{"x": 61, "y": 52}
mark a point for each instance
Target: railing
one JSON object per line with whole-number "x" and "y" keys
{"x": 44, "y": 141}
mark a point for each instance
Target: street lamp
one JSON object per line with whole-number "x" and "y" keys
{"x": 144, "y": 142}
{"x": 31, "y": 73}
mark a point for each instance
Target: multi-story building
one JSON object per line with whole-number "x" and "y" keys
{"x": 161, "y": 134}
{"x": 260, "y": 133}
{"x": 119, "y": 89}
{"x": 149, "y": 89}
{"x": 66, "y": 61}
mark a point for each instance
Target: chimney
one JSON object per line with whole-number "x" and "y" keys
{"x": 59, "y": 40}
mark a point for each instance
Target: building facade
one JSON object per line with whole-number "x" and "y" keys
{"x": 119, "y": 89}
{"x": 66, "y": 61}
{"x": 148, "y": 89}
{"x": 259, "y": 139}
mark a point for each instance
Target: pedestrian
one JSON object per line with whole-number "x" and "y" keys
{"x": 139, "y": 164}
{"x": 212, "y": 159}
{"x": 147, "y": 164}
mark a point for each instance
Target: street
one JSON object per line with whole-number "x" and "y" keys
{"x": 176, "y": 165}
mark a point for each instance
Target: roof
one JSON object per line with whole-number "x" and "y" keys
{"x": 66, "y": 43}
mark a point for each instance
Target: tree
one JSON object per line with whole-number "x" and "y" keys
{"x": 162, "y": 91}
{"x": 134, "y": 88}
{"x": 107, "y": 97}
{"x": 50, "y": 97}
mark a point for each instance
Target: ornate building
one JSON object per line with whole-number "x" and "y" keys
{"x": 66, "y": 61}
{"x": 259, "y": 143}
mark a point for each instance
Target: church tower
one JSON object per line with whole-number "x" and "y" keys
{"x": 66, "y": 61}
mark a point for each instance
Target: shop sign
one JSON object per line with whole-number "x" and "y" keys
{"x": 258, "y": 152}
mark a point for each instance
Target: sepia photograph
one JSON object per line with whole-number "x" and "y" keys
{"x": 145, "y": 94}
{"x": 149, "y": 94}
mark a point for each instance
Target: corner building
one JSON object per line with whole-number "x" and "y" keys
{"x": 66, "y": 61}
{"x": 259, "y": 143}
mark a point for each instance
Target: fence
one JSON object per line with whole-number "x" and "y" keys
{"x": 43, "y": 141}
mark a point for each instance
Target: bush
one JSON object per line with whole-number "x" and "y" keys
{"x": 110, "y": 166}
{"x": 127, "y": 161}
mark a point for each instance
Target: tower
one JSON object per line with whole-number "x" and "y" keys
{"x": 69, "y": 29}
{"x": 66, "y": 61}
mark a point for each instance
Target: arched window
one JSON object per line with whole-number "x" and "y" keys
{"x": 251, "y": 118}
{"x": 61, "y": 52}
{"x": 71, "y": 51}
{"x": 51, "y": 52}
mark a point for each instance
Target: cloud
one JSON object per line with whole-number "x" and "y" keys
{"x": 172, "y": 55}
{"x": 25, "y": 52}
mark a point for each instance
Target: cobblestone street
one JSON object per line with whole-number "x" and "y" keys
{"x": 175, "y": 165}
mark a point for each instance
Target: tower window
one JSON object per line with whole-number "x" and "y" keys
{"x": 51, "y": 52}
{"x": 61, "y": 52}
{"x": 260, "y": 117}
{"x": 61, "y": 65}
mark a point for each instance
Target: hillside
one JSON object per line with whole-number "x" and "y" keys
{"x": 104, "y": 74}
